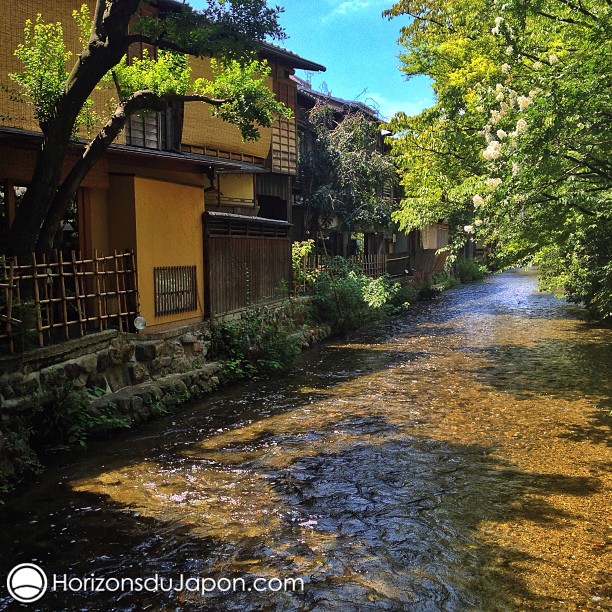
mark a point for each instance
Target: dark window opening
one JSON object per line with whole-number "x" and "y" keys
{"x": 271, "y": 207}
{"x": 175, "y": 289}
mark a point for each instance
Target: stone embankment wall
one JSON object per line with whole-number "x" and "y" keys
{"x": 123, "y": 379}
{"x": 127, "y": 377}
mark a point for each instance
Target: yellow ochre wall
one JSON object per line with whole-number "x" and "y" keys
{"x": 237, "y": 185}
{"x": 169, "y": 221}
{"x": 13, "y": 16}
{"x": 100, "y": 231}
{"x": 121, "y": 217}
{"x": 201, "y": 129}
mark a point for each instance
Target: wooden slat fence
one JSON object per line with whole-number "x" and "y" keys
{"x": 62, "y": 297}
{"x": 373, "y": 266}
{"x": 247, "y": 261}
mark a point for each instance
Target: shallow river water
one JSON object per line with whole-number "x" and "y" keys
{"x": 456, "y": 458}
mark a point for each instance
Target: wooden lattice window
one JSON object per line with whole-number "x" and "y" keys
{"x": 176, "y": 289}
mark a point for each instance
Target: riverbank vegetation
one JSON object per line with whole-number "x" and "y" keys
{"x": 515, "y": 154}
{"x": 338, "y": 298}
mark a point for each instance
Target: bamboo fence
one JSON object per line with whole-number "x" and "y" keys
{"x": 46, "y": 300}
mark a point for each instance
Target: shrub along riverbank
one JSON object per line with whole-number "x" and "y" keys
{"x": 261, "y": 341}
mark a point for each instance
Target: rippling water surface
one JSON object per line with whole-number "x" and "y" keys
{"x": 456, "y": 458}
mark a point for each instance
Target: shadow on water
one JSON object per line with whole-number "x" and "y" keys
{"x": 556, "y": 368}
{"x": 364, "y": 474}
{"x": 373, "y": 520}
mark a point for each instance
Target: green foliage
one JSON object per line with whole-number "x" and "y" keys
{"x": 444, "y": 280}
{"x": 428, "y": 291}
{"x": 343, "y": 172}
{"x": 302, "y": 277}
{"x": 24, "y": 334}
{"x": 166, "y": 73}
{"x": 260, "y": 341}
{"x": 248, "y": 100}
{"x": 405, "y": 295}
{"x": 468, "y": 269}
{"x": 44, "y": 56}
{"x": 516, "y": 151}
{"x": 67, "y": 420}
{"x": 348, "y": 299}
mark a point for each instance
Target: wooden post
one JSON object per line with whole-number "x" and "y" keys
{"x": 135, "y": 287}
{"x": 63, "y": 294}
{"x": 118, "y": 290}
{"x": 77, "y": 291}
{"x": 97, "y": 290}
{"x": 37, "y": 301}
{"x": 9, "y": 307}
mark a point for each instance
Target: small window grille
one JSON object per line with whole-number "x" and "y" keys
{"x": 176, "y": 289}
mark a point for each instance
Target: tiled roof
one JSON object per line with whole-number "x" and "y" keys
{"x": 340, "y": 104}
{"x": 290, "y": 58}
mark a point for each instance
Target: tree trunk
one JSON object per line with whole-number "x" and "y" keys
{"x": 33, "y": 209}
{"x": 107, "y": 45}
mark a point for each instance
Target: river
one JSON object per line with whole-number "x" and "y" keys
{"x": 458, "y": 457}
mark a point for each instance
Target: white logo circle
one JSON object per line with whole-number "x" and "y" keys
{"x": 26, "y": 583}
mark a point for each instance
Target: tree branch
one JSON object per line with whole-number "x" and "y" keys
{"x": 117, "y": 85}
{"x": 578, "y": 7}
{"x": 563, "y": 19}
{"x": 552, "y": 198}
{"x": 593, "y": 168}
{"x": 160, "y": 43}
{"x": 138, "y": 101}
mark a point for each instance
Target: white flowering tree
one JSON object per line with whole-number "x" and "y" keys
{"x": 516, "y": 152}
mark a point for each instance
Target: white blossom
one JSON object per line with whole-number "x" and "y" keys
{"x": 478, "y": 200}
{"x": 493, "y": 150}
{"x": 505, "y": 68}
{"x": 521, "y": 126}
{"x": 503, "y": 108}
{"x": 495, "y": 31}
{"x": 493, "y": 182}
{"x": 480, "y": 108}
{"x": 523, "y": 102}
{"x": 516, "y": 168}
{"x": 533, "y": 93}
{"x": 498, "y": 20}
{"x": 499, "y": 87}
{"x": 478, "y": 222}
{"x": 500, "y": 96}
{"x": 537, "y": 65}
{"x": 509, "y": 50}
{"x": 469, "y": 229}
{"x": 553, "y": 59}
{"x": 495, "y": 116}
{"x": 501, "y": 134}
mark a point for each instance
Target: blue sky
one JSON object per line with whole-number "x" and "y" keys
{"x": 359, "y": 49}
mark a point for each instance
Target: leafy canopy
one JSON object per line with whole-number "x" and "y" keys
{"x": 343, "y": 171}
{"x": 238, "y": 86}
{"x": 516, "y": 151}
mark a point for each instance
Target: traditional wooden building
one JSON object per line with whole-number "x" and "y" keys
{"x": 416, "y": 253}
{"x": 207, "y": 215}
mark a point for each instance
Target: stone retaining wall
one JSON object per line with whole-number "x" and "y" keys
{"x": 128, "y": 378}
{"x": 123, "y": 379}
